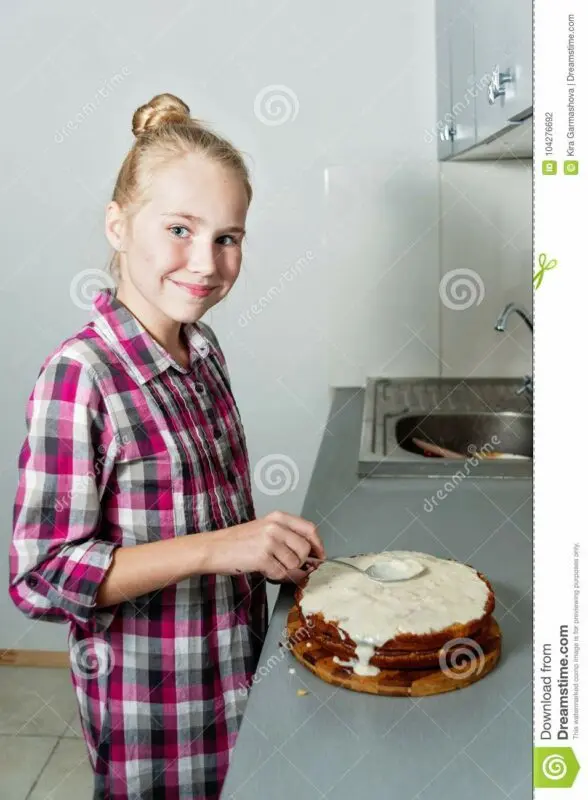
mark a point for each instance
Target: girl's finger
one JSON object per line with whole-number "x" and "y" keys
{"x": 309, "y": 530}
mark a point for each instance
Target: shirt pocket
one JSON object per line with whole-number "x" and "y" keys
{"x": 143, "y": 486}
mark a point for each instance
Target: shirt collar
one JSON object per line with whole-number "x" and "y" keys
{"x": 144, "y": 357}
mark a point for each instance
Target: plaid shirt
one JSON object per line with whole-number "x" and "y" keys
{"x": 126, "y": 446}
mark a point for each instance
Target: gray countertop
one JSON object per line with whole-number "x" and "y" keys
{"x": 336, "y": 743}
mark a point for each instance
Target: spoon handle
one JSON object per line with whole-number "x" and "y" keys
{"x": 317, "y": 561}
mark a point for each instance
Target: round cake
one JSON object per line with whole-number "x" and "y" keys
{"x": 406, "y": 624}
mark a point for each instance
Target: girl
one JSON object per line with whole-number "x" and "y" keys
{"x": 134, "y": 443}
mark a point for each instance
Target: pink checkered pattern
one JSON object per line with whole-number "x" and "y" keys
{"x": 124, "y": 445}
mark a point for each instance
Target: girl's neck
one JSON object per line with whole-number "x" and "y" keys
{"x": 166, "y": 332}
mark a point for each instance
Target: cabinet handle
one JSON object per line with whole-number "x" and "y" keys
{"x": 496, "y": 87}
{"x": 448, "y": 133}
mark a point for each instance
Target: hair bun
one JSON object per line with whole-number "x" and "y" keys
{"x": 160, "y": 110}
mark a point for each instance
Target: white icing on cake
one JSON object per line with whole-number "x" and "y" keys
{"x": 371, "y": 613}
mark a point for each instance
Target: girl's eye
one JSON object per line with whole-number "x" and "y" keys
{"x": 173, "y": 228}
{"x": 228, "y": 236}
{"x": 179, "y": 227}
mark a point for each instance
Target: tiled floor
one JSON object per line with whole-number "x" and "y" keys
{"x": 42, "y": 754}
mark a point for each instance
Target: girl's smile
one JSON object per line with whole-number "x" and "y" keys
{"x": 194, "y": 289}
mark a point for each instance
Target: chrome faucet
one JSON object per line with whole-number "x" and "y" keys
{"x": 513, "y": 308}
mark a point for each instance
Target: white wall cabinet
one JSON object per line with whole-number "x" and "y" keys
{"x": 504, "y": 63}
{"x": 490, "y": 51}
{"x": 445, "y": 128}
{"x": 463, "y": 91}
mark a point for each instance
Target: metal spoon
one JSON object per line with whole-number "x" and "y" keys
{"x": 383, "y": 572}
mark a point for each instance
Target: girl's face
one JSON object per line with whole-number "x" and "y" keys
{"x": 183, "y": 250}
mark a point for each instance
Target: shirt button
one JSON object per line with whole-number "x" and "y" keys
{"x": 32, "y": 581}
{"x": 217, "y": 433}
{"x": 199, "y": 387}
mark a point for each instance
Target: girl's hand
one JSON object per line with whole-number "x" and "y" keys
{"x": 296, "y": 575}
{"x": 273, "y": 545}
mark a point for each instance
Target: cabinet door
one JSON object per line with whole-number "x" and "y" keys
{"x": 519, "y": 53}
{"x": 444, "y": 124}
{"x": 503, "y": 50}
{"x": 463, "y": 92}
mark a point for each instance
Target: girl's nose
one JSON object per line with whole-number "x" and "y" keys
{"x": 202, "y": 260}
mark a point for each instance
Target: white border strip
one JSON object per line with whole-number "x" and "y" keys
{"x": 560, "y": 476}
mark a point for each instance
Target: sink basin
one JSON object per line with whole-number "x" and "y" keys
{"x": 484, "y": 433}
{"x": 465, "y": 415}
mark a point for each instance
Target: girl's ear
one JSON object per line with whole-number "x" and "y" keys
{"x": 114, "y": 225}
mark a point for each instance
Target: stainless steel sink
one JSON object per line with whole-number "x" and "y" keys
{"x": 473, "y": 416}
{"x": 487, "y": 434}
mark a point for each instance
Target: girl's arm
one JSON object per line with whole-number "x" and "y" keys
{"x": 144, "y": 568}
{"x": 57, "y": 560}
{"x": 273, "y": 545}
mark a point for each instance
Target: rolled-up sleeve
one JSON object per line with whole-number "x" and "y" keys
{"x": 57, "y": 556}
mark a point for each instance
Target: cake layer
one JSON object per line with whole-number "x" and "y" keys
{"x": 406, "y": 659}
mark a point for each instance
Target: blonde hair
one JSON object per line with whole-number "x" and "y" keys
{"x": 165, "y": 132}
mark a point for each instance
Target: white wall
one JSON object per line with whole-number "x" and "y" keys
{"x": 382, "y": 238}
{"x": 362, "y": 78}
{"x": 487, "y": 227}
{"x": 415, "y": 224}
